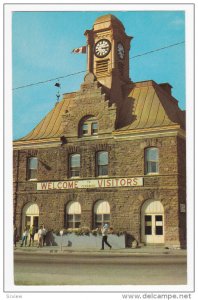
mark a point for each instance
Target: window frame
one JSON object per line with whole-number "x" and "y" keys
{"x": 102, "y": 210}
{"x": 88, "y": 121}
{"x": 98, "y": 167}
{"x": 72, "y": 169}
{"x": 94, "y": 131}
{"x": 74, "y": 221}
{"x": 73, "y": 218}
{"x": 147, "y": 162}
{"x": 30, "y": 170}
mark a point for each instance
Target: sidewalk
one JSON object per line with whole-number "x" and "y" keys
{"x": 144, "y": 250}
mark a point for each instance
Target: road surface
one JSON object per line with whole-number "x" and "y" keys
{"x": 99, "y": 269}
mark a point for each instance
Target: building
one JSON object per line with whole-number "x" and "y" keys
{"x": 112, "y": 152}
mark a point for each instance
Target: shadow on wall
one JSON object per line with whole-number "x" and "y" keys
{"x": 131, "y": 241}
{"x": 50, "y": 241}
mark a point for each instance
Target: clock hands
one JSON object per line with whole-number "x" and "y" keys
{"x": 102, "y": 48}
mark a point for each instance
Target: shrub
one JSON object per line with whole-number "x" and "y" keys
{"x": 86, "y": 231}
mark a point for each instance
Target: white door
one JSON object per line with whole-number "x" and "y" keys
{"x": 152, "y": 226}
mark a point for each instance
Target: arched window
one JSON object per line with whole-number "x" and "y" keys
{"x": 32, "y": 168}
{"x": 73, "y": 214}
{"x": 74, "y": 165}
{"x": 151, "y": 160}
{"x": 88, "y": 126}
{"x": 101, "y": 213}
{"x": 102, "y": 161}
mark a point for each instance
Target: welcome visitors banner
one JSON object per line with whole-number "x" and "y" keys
{"x": 91, "y": 183}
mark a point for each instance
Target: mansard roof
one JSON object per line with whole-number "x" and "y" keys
{"x": 147, "y": 105}
{"x": 152, "y": 106}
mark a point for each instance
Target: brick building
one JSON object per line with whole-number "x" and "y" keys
{"x": 112, "y": 152}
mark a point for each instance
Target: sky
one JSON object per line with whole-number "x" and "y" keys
{"x": 41, "y": 50}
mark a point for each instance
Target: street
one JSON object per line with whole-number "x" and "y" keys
{"x": 99, "y": 269}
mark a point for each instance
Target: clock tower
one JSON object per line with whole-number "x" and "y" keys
{"x": 108, "y": 51}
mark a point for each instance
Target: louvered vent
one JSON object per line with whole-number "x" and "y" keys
{"x": 102, "y": 67}
{"x": 121, "y": 68}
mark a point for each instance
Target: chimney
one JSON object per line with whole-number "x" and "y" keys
{"x": 166, "y": 87}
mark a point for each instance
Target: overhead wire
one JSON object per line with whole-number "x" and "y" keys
{"x": 80, "y": 72}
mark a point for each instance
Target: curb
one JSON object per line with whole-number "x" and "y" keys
{"x": 78, "y": 251}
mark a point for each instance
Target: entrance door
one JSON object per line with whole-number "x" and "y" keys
{"x": 30, "y": 216}
{"x": 152, "y": 226}
{"x": 32, "y": 220}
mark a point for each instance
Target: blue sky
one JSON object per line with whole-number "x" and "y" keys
{"x": 41, "y": 49}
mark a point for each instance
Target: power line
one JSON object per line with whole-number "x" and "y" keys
{"x": 159, "y": 49}
{"x": 76, "y": 73}
{"x": 48, "y": 80}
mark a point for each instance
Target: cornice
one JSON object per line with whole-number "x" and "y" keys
{"x": 122, "y": 135}
{"x": 146, "y": 131}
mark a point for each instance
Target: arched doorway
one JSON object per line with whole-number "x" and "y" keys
{"x": 30, "y": 216}
{"x": 152, "y": 222}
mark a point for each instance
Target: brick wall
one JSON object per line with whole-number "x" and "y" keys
{"x": 126, "y": 158}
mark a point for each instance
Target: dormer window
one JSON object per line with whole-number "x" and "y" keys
{"x": 85, "y": 128}
{"x": 94, "y": 128}
{"x": 88, "y": 126}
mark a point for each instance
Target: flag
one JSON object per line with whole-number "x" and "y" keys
{"x": 82, "y": 49}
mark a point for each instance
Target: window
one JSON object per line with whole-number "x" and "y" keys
{"x": 73, "y": 215}
{"x": 101, "y": 213}
{"x": 151, "y": 160}
{"x": 74, "y": 165}
{"x": 94, "y": 128}
{"x": 159, "y": 225}
{"x": 102, "y": 161}
{"x": 32, "y": 168}
{"x": 85, "y": 129}
{"x": 88, "y": 126}
{"x": 148, "y": 224}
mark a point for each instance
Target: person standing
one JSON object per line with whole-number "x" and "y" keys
{"x": 105, "y": 236}
{"x": 25, "y": 236}
{"x": 40, "y": 237}
{"x": 44, "y": 234}
{"x": 15, "y": 235}
{"x": 32, "y": 233}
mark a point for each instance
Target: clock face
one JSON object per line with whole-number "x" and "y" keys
{"x": 120, "y": 50}
{"x": 102, "y": 48}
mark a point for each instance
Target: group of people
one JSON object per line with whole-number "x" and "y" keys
{"x": 42, "y": 232}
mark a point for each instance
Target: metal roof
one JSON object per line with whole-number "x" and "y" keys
{"x": 150, "y": 106}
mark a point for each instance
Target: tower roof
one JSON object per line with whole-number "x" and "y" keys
{"x": 106, "y": 21}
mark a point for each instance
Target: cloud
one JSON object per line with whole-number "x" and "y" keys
{"x": 177, "y": 23}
